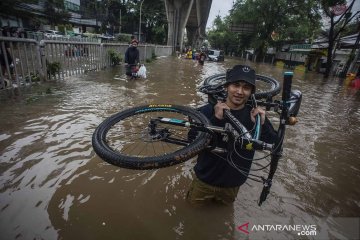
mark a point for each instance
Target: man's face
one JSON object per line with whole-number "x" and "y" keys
{"x": 238, "y": 94}
{"x": 134, "y": 44}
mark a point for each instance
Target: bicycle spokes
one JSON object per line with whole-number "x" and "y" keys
{"x": 146, "y": 136}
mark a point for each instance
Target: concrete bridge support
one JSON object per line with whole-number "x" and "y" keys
{"x": 177, "y": 12}
{"x": 189, "y": 14}
{"x": 196, "y": 25}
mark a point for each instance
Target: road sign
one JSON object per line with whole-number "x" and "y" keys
{"x": 242, "y": 28}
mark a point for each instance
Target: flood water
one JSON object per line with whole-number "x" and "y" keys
{"x": 54, "y": 186}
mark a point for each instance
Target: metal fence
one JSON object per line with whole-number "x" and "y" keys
{"x": 61, "y": 59}
{"x": 25, "y": 61}
{"x": 20, "y": 59}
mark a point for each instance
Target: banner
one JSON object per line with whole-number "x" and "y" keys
{"x": 338, "y": 9}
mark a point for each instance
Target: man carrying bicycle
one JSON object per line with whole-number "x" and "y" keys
{"x": 220, "y": 175}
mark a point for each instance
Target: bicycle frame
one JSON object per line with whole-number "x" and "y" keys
{"x": 234, "y": 129}
{"x": 132, "y": 70}
{"x": 238, "y": 127}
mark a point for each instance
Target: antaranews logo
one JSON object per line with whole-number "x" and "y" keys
{"x": 301, "y": 230}
{"x": 244, "y": 228}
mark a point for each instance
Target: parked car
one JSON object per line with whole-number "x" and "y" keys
{"x": 216, "y": 55}
{"x": 53, "y": 34}
{"x": 107, "y": 37}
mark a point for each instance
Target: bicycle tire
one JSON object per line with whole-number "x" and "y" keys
{"x": 214, "y": 85}
{"x": 273, "y": 91}
{"x": 102, "y": 147}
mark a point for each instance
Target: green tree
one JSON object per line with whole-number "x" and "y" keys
{"x": 153, "y": 17}
{"x": 220, "y": 37}
{"x": 292, "y": 20}
{"x": 154, "y": 21}
{"x": 352, "y": 28}
{"x": 337, "y": 22}
{"x": 90, "y": 10}
{"x": 215, "y": 35}
{"x": 55, "y": 12}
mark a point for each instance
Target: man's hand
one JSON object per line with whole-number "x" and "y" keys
{"x": 256, "y": 111}
{"x": 219, "y": 109}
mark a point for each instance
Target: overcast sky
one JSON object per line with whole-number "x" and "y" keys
{"x": 218, "y": 7}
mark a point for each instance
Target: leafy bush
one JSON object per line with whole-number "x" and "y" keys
{"x": 33, "y": 77}
{"x": 53, "y": 68}
{"x": 114, "y": 57}
{"x": 123, "y": 37}
{"x": 62, "y": 28}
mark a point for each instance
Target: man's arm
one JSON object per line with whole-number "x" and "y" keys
{"x": 268, "y": 133}
{"x": 127, "y": 55}
{"x": 137, "y": 56}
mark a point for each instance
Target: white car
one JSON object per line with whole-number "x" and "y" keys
{"x": 53, "y": 34}
{"x": 107, "y": 37}
{"x": 216, "y": 55}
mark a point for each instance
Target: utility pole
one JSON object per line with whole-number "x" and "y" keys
{"x": 120, "y": 22}
{"x": 140, "y": 20}
{"x": 353, "y": 52}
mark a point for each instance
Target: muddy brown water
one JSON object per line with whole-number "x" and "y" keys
{"x": 53, "y": 185}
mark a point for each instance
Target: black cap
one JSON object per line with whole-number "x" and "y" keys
{"x": 241, "y": 73}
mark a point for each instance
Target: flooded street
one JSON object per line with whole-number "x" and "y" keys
{"x": 54, "y": 186}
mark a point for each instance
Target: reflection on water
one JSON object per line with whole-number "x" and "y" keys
{"x": 54, "y": 186}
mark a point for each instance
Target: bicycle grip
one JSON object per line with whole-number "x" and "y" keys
{"x": 287, "y": 85}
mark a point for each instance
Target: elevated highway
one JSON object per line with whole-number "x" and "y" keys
{"x": 191, "y": 15}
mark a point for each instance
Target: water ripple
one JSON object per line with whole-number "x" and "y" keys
{"x": 49, "y": 171}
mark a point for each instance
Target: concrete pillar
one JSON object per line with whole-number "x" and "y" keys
{"x": 192, "y": 35}
{"x": 177, "y": 12}
{"x": 202, "y": 13}
{"x": 202, "y": 10}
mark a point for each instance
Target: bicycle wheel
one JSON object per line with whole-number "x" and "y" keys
{"x": 265, "y": 86}
{"x": 130, "y": 139}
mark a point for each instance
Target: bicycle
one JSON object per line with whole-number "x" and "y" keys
{"x": 132, "y": 70}
{"x": 156, "y": 135}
